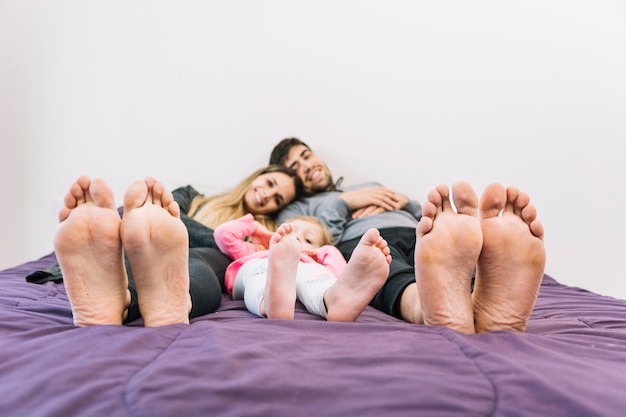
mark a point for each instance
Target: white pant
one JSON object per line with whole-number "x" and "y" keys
{"x": 312, "y": 281}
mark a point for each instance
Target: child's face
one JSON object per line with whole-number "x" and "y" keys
{"x": 309, "y": 235}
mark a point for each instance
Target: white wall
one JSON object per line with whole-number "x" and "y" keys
{"x": 409, "y": 93}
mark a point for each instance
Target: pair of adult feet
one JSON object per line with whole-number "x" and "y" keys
{"x": 90, "y": 243}
{"x": 498, "y": 237}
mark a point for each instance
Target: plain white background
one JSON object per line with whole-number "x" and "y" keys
{"x": 407, "y": 93}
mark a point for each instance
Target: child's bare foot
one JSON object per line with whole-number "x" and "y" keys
{"x": 447, "y": 248}
{"x": 361, "y": 279}
{"x": 156, "y": 243}
{"x": 511, "y": 265}
{"x": 89, "y": 252}
{"x": 279, "y": 296}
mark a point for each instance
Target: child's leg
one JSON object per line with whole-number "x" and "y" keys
{"x": 280, "y": 290}
{"x": 312, "y": 281}
{"x": 365, "y": 274}
{"x": 250, "y": 284}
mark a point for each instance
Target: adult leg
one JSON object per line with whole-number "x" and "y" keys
{"x": 206, "y": 275}
{"x": 447, "y": 248}
{"x": 512, "y": 262}
{"x": 89, "y": 252}
{"x": 157, "y": 245}
{"x": 200, "y": 236}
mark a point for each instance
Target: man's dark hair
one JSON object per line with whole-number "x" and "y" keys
{"x": 281, "y": 151}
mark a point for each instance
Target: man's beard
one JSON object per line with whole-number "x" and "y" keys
{"x": 328, "y": 185}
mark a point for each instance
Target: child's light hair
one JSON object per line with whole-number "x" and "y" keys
{"x": 326, "y": 239}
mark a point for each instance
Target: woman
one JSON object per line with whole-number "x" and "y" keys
{"x": 256, "y": 194}
{"x": 170, "y": 283}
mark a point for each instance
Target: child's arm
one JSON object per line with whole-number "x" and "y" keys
{"x": 331, "y": 258}
{"x": 230, "y": 237}
{"x": 260, "y": 237}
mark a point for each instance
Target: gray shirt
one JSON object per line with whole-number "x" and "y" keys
{"x": 335, "y": 213}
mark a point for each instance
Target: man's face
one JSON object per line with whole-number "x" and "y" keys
{"x": 312, "y": 171}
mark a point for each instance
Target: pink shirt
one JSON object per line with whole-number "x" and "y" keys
{"x": 230, "y": 239}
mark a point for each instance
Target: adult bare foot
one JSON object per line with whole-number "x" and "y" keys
{"x": 361, "y": 279}
{"x": 88, "y": 248}
{"x": 447, "y": 247}
{"x": 157, "y": 246}
{"x": 279, "y": 295}
{"x": 512, "y": 262}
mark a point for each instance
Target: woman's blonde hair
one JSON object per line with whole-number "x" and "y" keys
{"x": 219, "y": 208}
{"x": 326, "y": 239}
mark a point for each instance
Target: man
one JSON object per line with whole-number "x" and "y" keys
{"x": 504, "y": 244}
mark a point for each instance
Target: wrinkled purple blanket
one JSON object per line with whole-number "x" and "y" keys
{"x": 570, "y": 362}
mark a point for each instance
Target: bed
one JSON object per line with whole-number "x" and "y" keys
{"x": 570, "y": 362}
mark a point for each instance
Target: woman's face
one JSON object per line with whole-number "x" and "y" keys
{"x": 269, "y": 193}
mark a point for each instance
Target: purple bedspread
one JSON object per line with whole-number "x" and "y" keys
{"x": 570, "y": 362}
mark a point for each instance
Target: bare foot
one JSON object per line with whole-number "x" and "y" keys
{"x": 157, "y": 245}
{"x": 279, "y": 296}
{"x": 447, "y": 248}
{"x": 89, "y": 252}
{"x": 365, "y": 274}
{"x": 511, "y": 265}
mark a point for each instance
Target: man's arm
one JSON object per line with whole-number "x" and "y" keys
{"x": 383, "y": 197}
{"x": 376, "y": 199}
{"x": 411, "y": 206}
